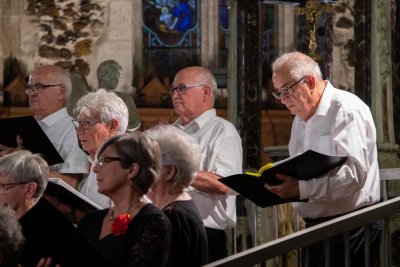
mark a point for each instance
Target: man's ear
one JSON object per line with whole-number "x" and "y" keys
{"x": 113, "y": 127}
{"x": 207, "y": 90}
{"x": 311, "y": 81}
{"x": 62, "y": 92}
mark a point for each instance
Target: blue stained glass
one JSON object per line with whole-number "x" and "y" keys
{"x": 171, "y": 24}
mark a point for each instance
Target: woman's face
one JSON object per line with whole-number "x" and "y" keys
{"x": 15, "y": 195}
{"x": 111, "y": 176}
{"x": 94, "y": 135}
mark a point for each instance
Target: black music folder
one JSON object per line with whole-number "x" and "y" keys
{"x": 305, "y": 166}
{"x": 49, "y": 234}
{"x": 70, "y": 196}
{"x": 35, "y": 140}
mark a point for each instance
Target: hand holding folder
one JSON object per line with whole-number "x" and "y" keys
{"x": 32, "y": 137}
{"x": 305, "y": 166}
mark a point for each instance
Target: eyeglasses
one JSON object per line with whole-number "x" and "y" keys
{"x": 181, "y": 89}
{"x": 286, "y": 91}
{"x": 101, "y": 161}
{"x": 38, "y": 88}
{"x": 5, "y": 187}
{"x": 86, "y": 125}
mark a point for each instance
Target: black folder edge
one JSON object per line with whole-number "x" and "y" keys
{"x": 305, "y": 166}
{"x": 70, "y": 196}
{"x": 34, "y": 138}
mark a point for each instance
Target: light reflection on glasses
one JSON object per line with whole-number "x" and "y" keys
{"x": 182, "y": 88}
{"x": 286, "y": 91}
{"x": 37, "y": 88}
{"x": 85, "y": 124}
{"x": 101, "y": 161}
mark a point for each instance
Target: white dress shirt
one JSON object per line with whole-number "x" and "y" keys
{"x": 90, "y": 189}
{"x": 60, "y": 129}
{"x": 341, "y": 126}
{"x": 221, "y": 153}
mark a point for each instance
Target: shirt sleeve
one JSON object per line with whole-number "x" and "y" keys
{"x": 353, "y": 134}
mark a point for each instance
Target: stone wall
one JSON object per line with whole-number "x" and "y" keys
{"x": 75, "y": 34}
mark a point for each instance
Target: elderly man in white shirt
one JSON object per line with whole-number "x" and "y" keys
{"x": 193, "y": 92}
{"x": 48, "y": 89}
{"x": 100, "y": 115}
{"x": 333, "y": 122}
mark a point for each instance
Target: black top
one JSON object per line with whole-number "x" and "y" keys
{"x": 49, "y": 234}
{"x": 146, "y": 242}
{"x": 189, "y": 239}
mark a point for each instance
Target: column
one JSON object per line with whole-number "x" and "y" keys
{"x": 382, "y": 84}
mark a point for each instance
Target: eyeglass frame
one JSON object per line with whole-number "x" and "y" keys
{"x": 4, "y": 188}
{"x": 286, "y": 91}
{"x": 89, "y": 123}
{"x": 182, "y": 88}
{"x": 101, "y": 161}
{"x": 37, "y": 88}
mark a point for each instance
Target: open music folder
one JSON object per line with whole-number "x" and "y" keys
{"x": 34, "y": 138}
{"x": 305, "y": 166}
{"x": 70, "y": 196}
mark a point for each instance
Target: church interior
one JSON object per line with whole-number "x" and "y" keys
{"x": 356, "y": 43}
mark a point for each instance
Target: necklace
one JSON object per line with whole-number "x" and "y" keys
{"x": 171, "y": 199}
{"x": 134, "y": 205}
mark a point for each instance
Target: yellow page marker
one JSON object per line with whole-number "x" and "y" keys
{"x": 260, "y": 171}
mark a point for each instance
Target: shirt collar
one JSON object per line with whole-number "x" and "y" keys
{"x": 325, "y": 101}
{"x": 198, "y": 122}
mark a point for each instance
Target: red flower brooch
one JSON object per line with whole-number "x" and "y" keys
{"x": 120, "y": 224}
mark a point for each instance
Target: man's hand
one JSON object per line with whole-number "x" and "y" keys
{"x": 288, "y": 189}
{"x": 208, "y": 182}
{"x": 5, "y": 150}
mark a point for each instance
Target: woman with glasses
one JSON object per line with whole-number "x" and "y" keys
{"x": 49, "y": 236}
{"x": 133, "y": 232}
{"x": 100, "y": 115}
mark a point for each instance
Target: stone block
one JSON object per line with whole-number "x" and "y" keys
{"x": 120, "y": 22}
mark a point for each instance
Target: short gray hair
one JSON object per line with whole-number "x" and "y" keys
{"x": 178, "y": 149}
{"x": 23, "y": 166}
{"x": 11, "y": 237}
{"x": 137, "y": 148}
{"x": 298, "y": 65}
{"x": 107, "y": 105}
{"x": 66, "y": 80}
{"x": 208, "y": 78}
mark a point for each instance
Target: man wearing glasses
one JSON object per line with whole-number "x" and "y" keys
{"x": 193, "y": 94}
{"x": 48, "y": 89}
{"x": 333, "y": 122}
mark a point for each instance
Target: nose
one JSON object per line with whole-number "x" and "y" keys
{"x": 96, "y": 167}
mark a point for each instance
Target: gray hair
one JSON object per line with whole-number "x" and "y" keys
{"x": 65, "y": 79}
{"x": 11, "y": 237}
{"x": 107, "y": 105}
{"x": 23, "y": 166}
{"x": 136, "y": 147}
{"x": 207, "y": 78}
{"x": 178, "y": 149}
{"x": 298, "y": 65}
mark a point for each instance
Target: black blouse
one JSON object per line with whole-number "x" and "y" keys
{"x": 189, "y": 239}
{"x": 146, "y": 243}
